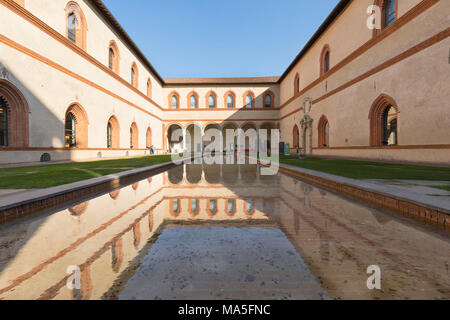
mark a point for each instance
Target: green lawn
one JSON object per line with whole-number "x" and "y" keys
{"x": 446, "y": 188}
{"x": 58, "y": 174}
{"x": 370, "y": 170}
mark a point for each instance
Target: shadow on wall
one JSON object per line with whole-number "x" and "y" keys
{"x": 31, "y": 132}
{"x": 213, "y": 134}
{"x": 26, "y": 121}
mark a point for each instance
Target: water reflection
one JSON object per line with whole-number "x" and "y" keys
{"x": 272, "y": 237}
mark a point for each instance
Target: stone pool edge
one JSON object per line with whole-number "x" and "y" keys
{"x": 350, "y": 187}
{"x": 21, "y": 204}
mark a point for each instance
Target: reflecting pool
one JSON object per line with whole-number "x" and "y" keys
{"x": 221, "y": 232}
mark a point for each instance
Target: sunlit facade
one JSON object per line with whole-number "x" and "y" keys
{"x": 74, "y": 85}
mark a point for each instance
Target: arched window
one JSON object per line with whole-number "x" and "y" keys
{"x": 116, "y": 255}
{"x": 249, "y": 207}
{"x": 212, "y": 207}
{"x": 173, "y": 100}
{"x": 231, "y": 207}
{"x": 136, "y": 235}
{"x": 76, "y": 25}
{"x": 72, "y": 27}
{"x": 109, "y": 135}
{"x": 134, "y": 75}
{"x": 113, "y": 133}
{"x": 193, "y": 100}
{"x": 390, "y": 126}
{"x": 296, "y": 84}
{"x": 323, "y": 132}
{"x": 383, "y": 122}
{"x": 148, "y": 137}
{"x": 269, "y": 99}
{"x": 3, "y": 123}
{"x": 113, "y": 57}
{"x": 76, "y": 127}
{"x": 230, "y": 102}
{"x": 71, "y": 131}
{"x": 389, "y": 12}
{"x": 194, "y": 207}
{"x": 134, "y": 135}
{"x": 175, "y": 207}
{"x": 296, "y": 137}
{"x": 325, "y": 60}
{"x": 149, "y": 88}
{"x": 211, "y": 100}
{"x": 249, "y": 100}
{"x": 14, "y": 113}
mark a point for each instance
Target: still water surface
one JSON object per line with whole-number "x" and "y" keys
{"x": 221, "y": 232}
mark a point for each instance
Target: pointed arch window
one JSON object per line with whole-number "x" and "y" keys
{"x": 297, "y": 84}
{"x": 72, "y": 27}
{"x": 231, "y": 206}
{"x": 212, "y": 207}
{"x": 212, "y": 101}
{"x": 175, "y": 207}
{"x": 134, "y": 136}
{"x": 389, "y": 119}
{"x": 109, "y": 135}
{"x": 149, "y": 88}
{"x": 174, "y": 101}
{"x": 296, "y": 137}
{"x": 131, "y": 137}
{"x": 193, "y": 101}
{"x": 111, "y": 59}
{"x": 3, "y": 123}
{"x": 389, "y": 12}
{"x": 248, "y": 101}
{"x": 14, "y": 112}
{"x": 134, "y": 75}
{"x": 249, "y": 206}
{"x": 148, "y": 139}
{"x": 267, "y": 101}
{"x": 113, "y": 133}
{"x": 70, "y": 131}
{"x": 383, "y": 122}
{"x": 230, "y": 102}
{"x": 194, "y": 205}
{"x": 324, "y": 132}
{"x": 76, "y": 26}
{"x": 325, "y": 60}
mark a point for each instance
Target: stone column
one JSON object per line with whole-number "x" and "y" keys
{"x": 184, "y": 140}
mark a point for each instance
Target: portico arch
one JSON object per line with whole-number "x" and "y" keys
{"x": 175, "y": 138}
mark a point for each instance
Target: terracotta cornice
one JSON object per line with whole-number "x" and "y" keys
{"x": 16, "y": 8}
{"x": 407, "y": 17}
{"x": 411, "y": 51}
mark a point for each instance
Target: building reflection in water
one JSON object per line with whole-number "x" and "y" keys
{"x": 336, "y": 237}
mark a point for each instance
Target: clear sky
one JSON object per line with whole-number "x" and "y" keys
{"x": 220, "y": 38}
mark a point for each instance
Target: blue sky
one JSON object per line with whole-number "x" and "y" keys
{"x": 220, "y": 38}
